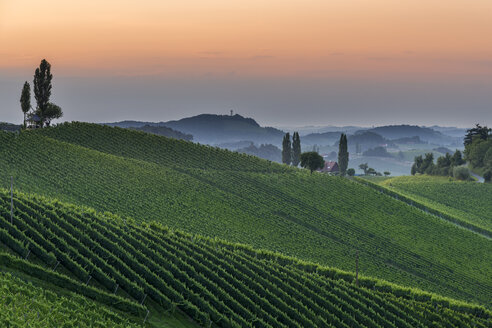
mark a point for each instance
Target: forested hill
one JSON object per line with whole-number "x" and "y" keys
{"x": 424, "y": 133}
{"x": 240, "y": 198}
{"x": 217, "y": 129}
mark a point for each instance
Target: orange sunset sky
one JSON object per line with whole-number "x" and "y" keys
{"x": 379, "y": 41}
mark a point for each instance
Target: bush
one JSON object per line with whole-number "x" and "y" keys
{"x": 351, "y": 172}
{"x": 487, "y": 176}
{"x": 461, "y": 173}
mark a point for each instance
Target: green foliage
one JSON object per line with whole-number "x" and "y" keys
{"x": 386, "y": 173}
{"x": 364, "y": 167}
{"x": 244, "y": 199}
{"x": 477, "y": 133}
{"x": 52, "y": 112}
{"x": 296, "y": 149}
{"x": 215, "y": 282}
{"x": 312, "y": 160}
{"x": 25, "y": 99}
{"x": 487, "y": 176}
{"x": 24, "y": 305}
{"x": 286, "y": 149}
{"x": 351, "y": 172}
{"x": 461, "y": 173}
{"x": 42, "y": 89}
{"x": 343, "y": 155}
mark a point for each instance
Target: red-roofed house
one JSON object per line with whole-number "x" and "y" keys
{"x": 330, "y": 167}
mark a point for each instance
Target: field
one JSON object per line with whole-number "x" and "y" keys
{"x": 268, "y": 206}
{"x": 138, "y": 267}
{"x": 468, "y": 201}
{"x": 24, "y": 305}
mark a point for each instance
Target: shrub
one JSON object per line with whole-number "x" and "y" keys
{"x": 487, "y": 176}
{"x": 461, "y": 173}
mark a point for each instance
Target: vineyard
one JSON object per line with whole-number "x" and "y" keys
{"x": 136, "y": 266}
{"x": 316, "y": 218}
{"x": 468, "y": 201}
{"x": 156, "y": 149}
{"x": 24, "y": 305}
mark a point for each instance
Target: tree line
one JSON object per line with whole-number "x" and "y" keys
{"x": 478, "y": 153}
{"x": 45, "y": 110}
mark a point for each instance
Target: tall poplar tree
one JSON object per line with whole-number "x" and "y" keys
{"x": 343, "y": 155}
{"x": 42, "y": 89}
{"x": 25, "y": 100}
{"x": 296, "y": 149}
{"x": 286, "y": 150}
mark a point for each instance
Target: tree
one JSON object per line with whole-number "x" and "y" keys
{"x": 25, "y": 100}
{"x": 42, "y": 89}
{"x": 461, "y": 173}
{"x": 386, "y": 173}
{"x": 296, "y": 149}
{"x": 286, "y": 150}
{"x": 350, "y": 172}
{"x": 364, "y": 167}
{"x": 487, "y": 176}
{"x": 52, "y": 112}
{"x": 417, "y": 165}
{"x": 343, "y": 155}
{"x": 312, "y": 161}
{"x": 427, "y": 164}
{"x": 457, "y": 158}
{"x": 478, "y": 131}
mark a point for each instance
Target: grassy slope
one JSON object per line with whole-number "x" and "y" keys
{"x": 469, "y": 201}
{"x": 23, "y": 304}
{"x": 318, "y": 218}
{"x": 229, "y": 284}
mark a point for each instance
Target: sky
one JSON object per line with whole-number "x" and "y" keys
{"x": 282, "y": 62}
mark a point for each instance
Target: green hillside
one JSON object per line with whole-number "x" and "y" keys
{"x": 24, "y": 305}
{"x": 211, "y": 281}
{"x": 239, "y": 198}
{"x": 468, "y": 201}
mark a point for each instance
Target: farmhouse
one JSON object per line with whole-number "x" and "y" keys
{"x": 330, "y": 167}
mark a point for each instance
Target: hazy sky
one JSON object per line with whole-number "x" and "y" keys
{"x": 284, "y": 62}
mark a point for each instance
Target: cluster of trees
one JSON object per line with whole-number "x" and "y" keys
{"x": 369, "y": 170}
{"x": 291, "y": 151}
{"x": 314, "y": 161}
{"x": 45, "y": 110}
{"x": 447, "y": 165}
{"x": 478, "y": 153}
{"x": 478, "y": 150}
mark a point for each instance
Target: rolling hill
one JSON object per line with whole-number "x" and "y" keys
{"x": 150, "y": 271}
{"x": 468, "y": 201}
{"x": 216, "y": 129}
{"x": 240, "y": 198}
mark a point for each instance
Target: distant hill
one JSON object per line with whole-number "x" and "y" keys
{"x": 269, "y": 152}
{"x": 326, "y": 138}
{"x": 409, "y": 140}
{"x": 216, "y": 129}
{"x": 9, "y": 127}
{"x": 367, "y": 140}
{"x": 406, "y": 131}
{"x": 164, "y": 131}
{"x": 450, "y": 131}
